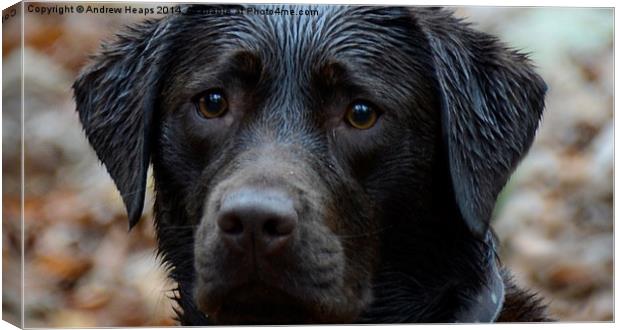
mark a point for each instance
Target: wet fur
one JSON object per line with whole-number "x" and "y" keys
{"x": 471, "y": 117}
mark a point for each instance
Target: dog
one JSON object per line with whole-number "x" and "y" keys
{"x": 337, "y": 164}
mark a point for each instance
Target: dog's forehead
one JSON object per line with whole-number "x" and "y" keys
{"x": 311, "y": 34}
{"x": 323, "y": 29}
{"x": 382, "y": 45}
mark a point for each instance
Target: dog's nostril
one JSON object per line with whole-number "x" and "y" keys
{"x": 270, "y": 227}
{"x": 230, "y": 224}
{"x": 279, "y": 227}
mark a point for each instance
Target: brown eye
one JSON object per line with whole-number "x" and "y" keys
{"x": 362, "y": 115}
{"x": 212, "y": 104}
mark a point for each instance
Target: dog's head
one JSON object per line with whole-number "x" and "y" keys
{"x": 287, "y": 148}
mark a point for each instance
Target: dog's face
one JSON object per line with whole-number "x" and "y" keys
{"x": 285, "y": 149}
{"x": 285, "y": 139}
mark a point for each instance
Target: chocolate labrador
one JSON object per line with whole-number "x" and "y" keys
{"x": 318, "y": 164}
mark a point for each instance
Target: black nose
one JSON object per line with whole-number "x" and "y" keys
{"x": 259, "y": 220}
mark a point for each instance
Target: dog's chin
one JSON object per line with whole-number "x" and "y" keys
{"x": 261, "y": 312}
{"x": 258, "y": 304}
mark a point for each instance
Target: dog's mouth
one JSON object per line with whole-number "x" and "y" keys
{"x": 258, "y": 303}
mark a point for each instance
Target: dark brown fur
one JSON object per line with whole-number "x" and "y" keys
{"x": 383, "y": 225}
{"x": 522, "y": 305}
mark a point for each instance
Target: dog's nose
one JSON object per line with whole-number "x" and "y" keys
{"x": 259, "y": 220}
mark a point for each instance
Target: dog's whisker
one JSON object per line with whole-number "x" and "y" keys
{"x": 367, "y": 234}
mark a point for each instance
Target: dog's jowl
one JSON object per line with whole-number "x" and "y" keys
{"x": 339, "y": 166}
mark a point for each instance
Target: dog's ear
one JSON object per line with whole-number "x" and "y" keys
{"x": 116, "y": 100}
{"x": 491, "y": 104}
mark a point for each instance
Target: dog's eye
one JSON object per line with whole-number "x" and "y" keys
{"x": 362, "y": 115}
{"x": 212, "y": 104}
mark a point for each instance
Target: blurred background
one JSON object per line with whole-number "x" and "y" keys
{"x": 82, "y": 267}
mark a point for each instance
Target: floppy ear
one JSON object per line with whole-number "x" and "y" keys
{"x": 491, "y": 104}
{"x": 115, "y": 98}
